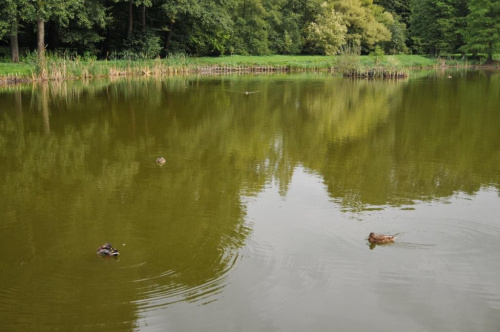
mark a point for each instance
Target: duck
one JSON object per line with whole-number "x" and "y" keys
{"x": 380, "y": 238}
{"x": 161, "y": 161}
{"x": 107, "y": 250}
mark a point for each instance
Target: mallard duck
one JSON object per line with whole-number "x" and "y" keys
{"x": 380, "y": 238}
{"x": 161, "y": 161}
{"x": 107, "y": 250}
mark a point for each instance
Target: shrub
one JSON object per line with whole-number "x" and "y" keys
{"x": 145, "y": 45}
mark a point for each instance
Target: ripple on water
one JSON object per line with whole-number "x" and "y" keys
{"x": 60, "y": 278}
{"x": 444, "y": 254}
{"x": 186, "y": 283}
{"x": 458, "y": 237}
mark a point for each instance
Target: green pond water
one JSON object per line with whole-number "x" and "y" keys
{"x": 258, "y": 219}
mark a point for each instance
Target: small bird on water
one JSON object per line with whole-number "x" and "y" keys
{"x": 160, "y": 161}
{"x": 380, "y": 238}
{"x": 107, "y": 250}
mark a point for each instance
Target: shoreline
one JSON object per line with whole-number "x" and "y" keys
{"x": 360, "y": 67}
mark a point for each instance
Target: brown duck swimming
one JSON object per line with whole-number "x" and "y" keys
{"x": 107, "y": 250}
{"x": 380, "y": 238}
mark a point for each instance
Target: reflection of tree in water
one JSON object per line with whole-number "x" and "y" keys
{"x": 91, "y": 176}
{"x": 87, "y": 180}
{"x": 432, "y": 148}
{"x": 374, "y": 143}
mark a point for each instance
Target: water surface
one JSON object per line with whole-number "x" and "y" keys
{"x": 258, "y": 220}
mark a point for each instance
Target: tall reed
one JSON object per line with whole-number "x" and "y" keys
{"x": 349, "y": 58}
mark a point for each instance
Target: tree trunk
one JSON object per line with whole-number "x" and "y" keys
{"x": 143, "y": 18}
{"x": 14, "y": 45}
{"x": 130, "y": 18}
{"x": 41, "y": 49}
{"x": 40, "y": 24}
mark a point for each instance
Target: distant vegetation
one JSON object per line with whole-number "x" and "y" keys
{"x": 146, "y": 29}
{"x": 56, "y": 39}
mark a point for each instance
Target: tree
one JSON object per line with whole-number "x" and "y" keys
{"x": 40, "y": 12}
{"x": 328, "y": 32}
{"x": 196, "y": 27}
{"x": 363, "y": 21}
{"x": 9, "y": 24}
{"x": 4, "y": 24}
{"x": 286, "y": 20}
{"x": 482, "y": 33}
{"x": 171, "y": 11}
{"x": 399, "y": 8}
{"x": 436, "y": 25}
{"x": 251, "y": 28}
{"x": 130, "y": 7}
{"x": 86, "y": 29}
{"x": 400, "y": 11}
{"x": 397, "y": 44}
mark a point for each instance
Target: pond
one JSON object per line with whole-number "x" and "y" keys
{"x": 259, "y": 218}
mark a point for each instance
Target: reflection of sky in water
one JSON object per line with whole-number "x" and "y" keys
{"x": 307, "y": 266}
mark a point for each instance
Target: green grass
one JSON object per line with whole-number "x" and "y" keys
{"x": 291, "y": 61}
{"x": 21, "y": 69}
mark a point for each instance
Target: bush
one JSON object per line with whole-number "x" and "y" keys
{"x": 377, "y": 54}
{"x": 349, "y": 58}
{"x": 145, "y": 45}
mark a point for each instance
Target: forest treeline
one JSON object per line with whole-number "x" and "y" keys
{"x": 132, "y": 29}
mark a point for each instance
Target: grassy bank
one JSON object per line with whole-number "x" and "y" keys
{"x": 60, "y": 68}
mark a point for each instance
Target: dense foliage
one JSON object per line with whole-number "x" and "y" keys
{"x": 131, "y": 29}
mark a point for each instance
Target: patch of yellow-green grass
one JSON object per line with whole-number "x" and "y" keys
{"x": 20, "y": 69}
{"x": 398, "y": 61}
{"x": 290, "y": 61}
